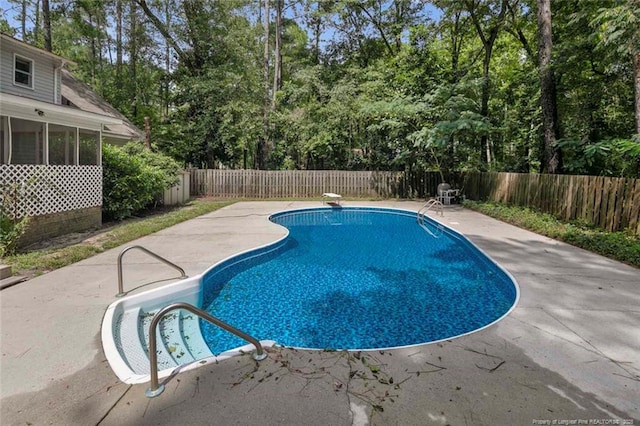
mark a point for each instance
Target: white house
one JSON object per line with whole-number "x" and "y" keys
{"x": 51, "y": 132}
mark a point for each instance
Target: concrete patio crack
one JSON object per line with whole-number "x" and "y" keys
{"x": 113, "y": 406}
{"x": 619, "y": 364}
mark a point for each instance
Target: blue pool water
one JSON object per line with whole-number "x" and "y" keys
{"x": 356, "y": 278}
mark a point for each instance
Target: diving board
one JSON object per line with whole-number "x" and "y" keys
{"x": 330, "y": 197}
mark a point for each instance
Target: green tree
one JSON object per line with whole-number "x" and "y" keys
{"x": 618, "y": 26}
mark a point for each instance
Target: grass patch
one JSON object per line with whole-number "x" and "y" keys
{"x": 621, "y": 246}
{"x": 40, "y": 261}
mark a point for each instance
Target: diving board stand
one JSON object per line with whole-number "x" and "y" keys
{"x": 331, "y": 198}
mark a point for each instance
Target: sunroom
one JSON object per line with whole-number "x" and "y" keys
{"x": 50, "y": 171}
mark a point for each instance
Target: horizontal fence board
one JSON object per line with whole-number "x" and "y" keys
{"x": 611, "y": 203}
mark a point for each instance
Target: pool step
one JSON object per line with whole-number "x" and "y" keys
{"x": 128, "y": 341}
{"x": 193, "y": 339}
{"x": 178, "y": 338}
{"x": 165, "y": 359}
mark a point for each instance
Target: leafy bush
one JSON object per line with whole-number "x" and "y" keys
{"x": 12, "y": 226}
{"x": 10, "y": 232}
{"x": 162, "y": 162}
{"x": 621, "y": 246}
{"x": 132, "y": 179}
{"x": 611, "y": 157}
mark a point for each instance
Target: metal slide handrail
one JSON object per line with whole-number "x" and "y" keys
{"x": 155, "y": 388}
{"x": 150, "y": 253}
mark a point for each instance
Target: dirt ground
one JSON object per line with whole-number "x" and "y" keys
{"x": 93, "y": 237}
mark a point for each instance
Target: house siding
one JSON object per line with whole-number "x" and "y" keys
{"x": 43, "y": 73}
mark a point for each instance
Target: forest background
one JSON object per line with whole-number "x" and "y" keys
{"x": 446, "y": 85}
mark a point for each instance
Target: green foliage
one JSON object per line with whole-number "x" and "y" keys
{"x": 617, "y": 26}
{"x": 10, "y": 232}
{"x": 367, "y": 84}
{"x": 167, "y": 165}
{"x": 5, "y": 27}
{"x": 621, "y": 246}
{"x": 615, "y": 157}
{"x": 595, "y": 87}
{"x": 12, "y": 226}
{"x": 133, "y": 179}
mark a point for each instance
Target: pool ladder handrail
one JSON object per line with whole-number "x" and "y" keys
{"x": 422, "y": 213}
{"x": 155, "y": 388}
{"x": 428, "y": 205}
{"x": 150, "y": 253}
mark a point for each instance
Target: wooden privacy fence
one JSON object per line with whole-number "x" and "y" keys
{"x": 611, "y": 203}
{"x": 311, "y": 183}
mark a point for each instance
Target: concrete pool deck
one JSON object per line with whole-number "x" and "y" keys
{"x": 569, "y": 352}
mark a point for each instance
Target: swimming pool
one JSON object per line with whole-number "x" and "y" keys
{"x": 343, "y": 278}
{"x": 357, "y": 278}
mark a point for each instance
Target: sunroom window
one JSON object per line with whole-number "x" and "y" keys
{"x": 27, "y": 142}
{"x": 62, "y": 145}
{"x": 89, "y": 147}
{"x": 23, "y": 72}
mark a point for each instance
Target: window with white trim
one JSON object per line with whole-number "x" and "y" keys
{"x": 22, "y": 71}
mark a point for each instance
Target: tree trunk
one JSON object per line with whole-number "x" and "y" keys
{"x": 119, "y": 41}
{"x": 456, "y": 48}
{"x": 184, "y": 57}
{"x": 263, "y": 148}
{"x": 488, "y": 37}
{"x": 23, "y": 19}
{"x": 147, "y": 132}
{"x": 552, "y": 158}
{"x": 456, "y": 38}
{"x": 200, "y": 49}
{"x": 484, "y": 103}
{"x": 93, "y": 52}
{"x": 277, "y": 67}
{"x": 636, "y": 71}
{"x": 46, "y": 21}
{"x": 133, "y": 53}
{"x": 164, "y": 88}
{"x": 36, "y": 24}
{"x": 100, "y": 48}
{"x": 316, "y": 40}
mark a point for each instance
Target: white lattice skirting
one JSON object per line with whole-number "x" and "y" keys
{"x": 34, "y": 190}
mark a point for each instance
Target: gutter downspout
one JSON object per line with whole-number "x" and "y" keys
{"x": 10, "y": 139}
{"x": 57, "y": 83}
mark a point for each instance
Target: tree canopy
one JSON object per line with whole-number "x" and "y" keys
{"x": 447, "y": 85}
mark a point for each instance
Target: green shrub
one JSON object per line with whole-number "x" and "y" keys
{"x": 12, "y": 226}
{"x": 159, "y": 161}
{"x": 10, "y": 232}
{"x": 133, "y": 178}
{"x": 621, "y": 246}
